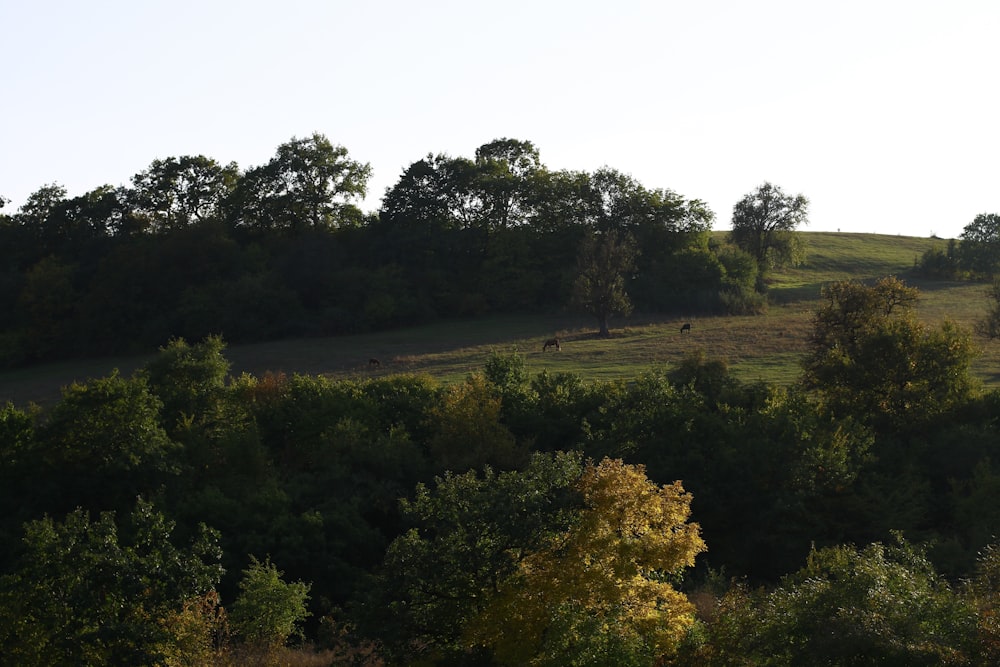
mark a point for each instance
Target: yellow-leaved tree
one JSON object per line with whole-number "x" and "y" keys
{"x": 600, "y": 591}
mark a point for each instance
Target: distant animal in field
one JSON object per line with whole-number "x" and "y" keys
{"x": 552, "y": 342}
{"x": 686, "y": 327}
{"x": 374, "y": 363}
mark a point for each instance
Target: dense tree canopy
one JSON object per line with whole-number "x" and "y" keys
{"x": 93, "y": 591}
{"x": 874, "y": 606}
{"x": 574, "y": 545}
{"x": 588, "y": 551}
{"x": 192, "y": 247}
{"x": 507, "y": 518}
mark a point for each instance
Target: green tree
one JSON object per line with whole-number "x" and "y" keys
{"x": 880, "y": 605}
{"x": 17, "y": 474}
{"x": 979, "y": 247}
{"x": 97, "y": 592}
{"x": 39, "y": 206}
{"x": 509, "y": 378}
{"x": 179, "y": 191}
{"x": 268, "y": 611}
{"x": 506, "y": 168}
{"x": 189, "y": 379}
{"x": 869, "y": 356}
{"x": 434, "y": 193}
{"x": 101, "y": 445}
{"x": 941, "y": 264}
{"x": 764, "y": 224}
{"x": 982, "y": 591}
{"x": 989, "y": 325}
{"x": 309, "y": 183}
{"x": 469, "y": 533}
{"x": 603, "y": 263}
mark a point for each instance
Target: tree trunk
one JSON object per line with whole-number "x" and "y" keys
{"x": 603, "y": 320}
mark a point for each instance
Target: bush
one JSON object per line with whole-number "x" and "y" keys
{"x": 268, "y": 611}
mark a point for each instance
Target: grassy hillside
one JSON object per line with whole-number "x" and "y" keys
{"x": 767, "y": 347}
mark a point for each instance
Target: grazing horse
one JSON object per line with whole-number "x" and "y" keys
{"x": 552, "y": 342}
{"x": 686, "y": 327}
{"x": 374, "y": 363}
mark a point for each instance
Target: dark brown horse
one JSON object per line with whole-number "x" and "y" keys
{"x": 374, "y": 363}
{"x": 552, "y": 342}
{"x": 686, "y": 327}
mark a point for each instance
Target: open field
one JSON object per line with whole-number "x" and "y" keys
{"x": 767, "y": 347}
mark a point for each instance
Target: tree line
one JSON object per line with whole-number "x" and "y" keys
{"x": 975, "y": 255}
{"x": 680, "y": 517}
{"x": 192, "y": 248}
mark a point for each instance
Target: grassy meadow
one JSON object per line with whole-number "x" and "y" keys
{"x": 765, "y": 347}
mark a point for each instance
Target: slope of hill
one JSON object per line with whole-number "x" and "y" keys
{"x": 766, "y": 347}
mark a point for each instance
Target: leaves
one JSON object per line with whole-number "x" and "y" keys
{"x": 268, "y": 611}
{"x": 764, "y": 222}
{"x": 97, "y": 591}
{"x": 872, "y": 359}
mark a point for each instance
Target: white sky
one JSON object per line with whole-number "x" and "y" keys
{"x": 883, "y": 113}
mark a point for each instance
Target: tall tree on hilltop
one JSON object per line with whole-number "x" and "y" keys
{"x": 979, "y": 250}
{"x": 435, "y": 192}
{"x": 505, "y": 171}
{"x": 309, "y": 183}
{"x": 764, "y": 224}
{"x": 176, "y": 192}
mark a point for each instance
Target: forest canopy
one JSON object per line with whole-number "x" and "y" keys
{"x": 682, "y": 517}
{"x": 192, "y": 248}
{"x": 187, "y": 515}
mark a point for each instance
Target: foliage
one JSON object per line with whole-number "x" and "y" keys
{"x": 731, "y": 441}
{"x": 268, "y": 611}
{"x": 603, "y": 262}
{"x": 979, "y": 250}
{"x": 97, "y": 592}
{"x": 599, "y": 591}
{"x": 764, "y": 223}
{"x": 439, "y": 574}
{"x": 176, "y": 192}
{"x": 102, "y": 445}
{"x": 872, "y": 606}
{"x": 591, "y": 550}
{"x": 989, "y": 325}
{"x": 982, "y": 591}
{"x": 742, "y": 275}
{"x": 197, "y": 634}
{"x": 48, "y": 303}
{"x": 193, "y": 248}
{"x": 468, "y": 431}
{"x": 487, "y": 565}
{"x": 941, "y": 264}
{"x": 188, "y": 378}
{"x": 869, "y": 357}
{"x": 308, "y": 183}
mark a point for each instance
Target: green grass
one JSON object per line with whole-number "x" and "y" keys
{"x": 766, "y": 347}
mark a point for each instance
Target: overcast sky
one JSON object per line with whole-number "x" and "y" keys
{"x": 884, "y": 114}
